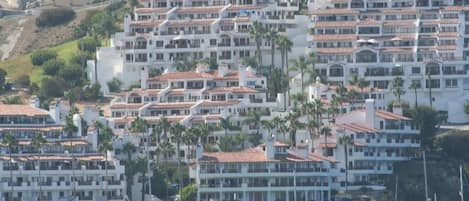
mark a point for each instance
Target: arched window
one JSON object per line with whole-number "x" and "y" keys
{"x": 366, "y": 56}
{"x": 336, "y": 70}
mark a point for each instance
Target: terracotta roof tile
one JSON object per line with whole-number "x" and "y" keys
{"x": 245, "y": 7}
{"x": 391, "y": 116}
{"x": 147, "y": 23}
{"x": 181, "y": 105}
{"x": 334, "y": 11}
{"x": 327, "y": 24}
{"x": 218, "y": 103}
{"x": 354, "y": 127}
{"x": 193, "y": 22}
{"x": 204, "y": 9}
{"x": 335, "y": 50}
{"x": 26, "y": 110}
{"x": 126, "y": 106}
{"x": 239, "y": 89}
{"x": 336, "y": 37}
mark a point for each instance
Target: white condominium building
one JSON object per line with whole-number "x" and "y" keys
{"x": 192, "y": 98}
{"x": 270, "y": 172}
{"x": 66, "y": 167}
{"x": 162, "y": 32}
{"x": 422, "y": 41}
{"x": 376, "y": 140}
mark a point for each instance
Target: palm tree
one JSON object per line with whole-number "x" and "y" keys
{"x": 204, "y": 131}
{"x": 105, "y": 146}
{"x": 397, "y": 88}
{"x": 10, "y": 141}
{"x": 138, "y": 125}
{"x": 256, "y": 30}
{"x": 269, "y": 125}
{"x": 177, "y": 131}
{"x": 271, "y": 36}
{"x": 429, "y": 78}
{"x": 341, "y": 92}
{"x": 191, "y": 137}
{"x": 414, "y": 86}
{"x": 254, "y": 118}
{"x": 226, "y": 124}
{"x": 38, "y": 142}
{"x": 167, "y": 149}
{"x": 285, "y": 45}
{"x": 312, "y": 71}
{"x": 301, "y": 65}
{"x": 345, "y": 141}
{"x": 362, "y": 84}
{"x": 129, "y": 148}
{"x": 164, "y": 124}
{"x": 294, "y": 124}
{"x": 326, "y": 131}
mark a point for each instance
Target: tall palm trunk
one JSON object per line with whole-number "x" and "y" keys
{"x": 178, "y": 147}
{"x": 288, "y": 76}
{"x": 283, "y": 68}
{"x": 415, "y": 93}
{"x": 272, "y": 44}
{"x": 325, "y": 141}
{"x": 346, "y": 167}
{"x": 259, "y": 54}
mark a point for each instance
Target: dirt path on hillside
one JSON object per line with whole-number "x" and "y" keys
{"x": 11, "y": 34}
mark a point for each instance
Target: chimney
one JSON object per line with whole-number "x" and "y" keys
{"x": 144, "y": 78}
{"x": 201, "y": 68}
{"x": 199, "y": 151}
{"x": 77, "y": 123}
{"x": 370, "y": 112}
{"x": 34, "y": 102}
{"x": 92, "y": 138}
{"x": 223, "y": 70}
{"x": 270, "y": 148}
{"x": 397, "y": 108}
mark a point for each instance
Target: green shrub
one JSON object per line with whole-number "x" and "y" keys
{"x": 54, "y": 16}
{"x": 52, "y": 87}
{"x": 88, "y": 44}
{"x": 53, "y": 66}
{"x": 72, "y": 74}
{"x": 114, "y": 85}
{"x": 41, "y": 56}
{"x": 23, "y": 81}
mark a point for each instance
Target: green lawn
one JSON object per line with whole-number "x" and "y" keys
{"x": 21, "y": 65}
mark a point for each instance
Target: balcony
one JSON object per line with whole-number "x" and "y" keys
{"x": 257, "y": 170}
{"x": 232, "y": 170}
{"x": 454, "y": 72}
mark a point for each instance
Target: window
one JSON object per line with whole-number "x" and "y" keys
{"x": 433, "y": 83}
{"x": 159, "y": 56}
{"x": 368, "y": 30}
{"x": 415, "y": 70}
{"x": 451, "y": 83}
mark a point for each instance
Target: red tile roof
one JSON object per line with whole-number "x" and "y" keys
{"x": 26, "y": 110}
{"x": 30, "y": 128}
{"x": 245, "y": 7}
{"x": 336, "y": 50}
{"x": 218, "y": 103}
{"x": 354, "y": 127}
{"x": 239, "y": 89}
{"x": 334, "y": 11}
{"x": 126, "y": 106}
{"x": 181, "y": 105}
{"x": 193, "y": 22}
{"x": 204, "y": 9}
{"x": 337, "y": 37}
{"x": 327, "y": 24}
{"x": 391, "y": 116}
{"x": 254, "y": 155}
